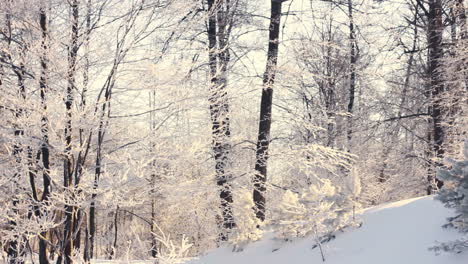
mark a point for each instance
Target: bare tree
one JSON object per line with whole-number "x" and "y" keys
{"x": 44, "y": 86}
{"x": 352, "y": 71}
{"x": 70, "y": 225}
{"x": 219, "y": 57}
{"x": 263, "y": 141}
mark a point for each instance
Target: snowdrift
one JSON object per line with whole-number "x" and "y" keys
{"x": 394, "y": 233}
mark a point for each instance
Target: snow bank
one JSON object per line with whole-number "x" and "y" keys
{"x": 394, "y": 233}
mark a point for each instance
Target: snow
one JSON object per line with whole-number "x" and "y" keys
{"x": 394, "y": 233}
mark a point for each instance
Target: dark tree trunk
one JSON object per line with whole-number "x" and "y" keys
{"x": 105, "y": 112}
{"x": 70, "y": 210}
{"x": 116, "y": 230}
{"x": 153, "y": 177}
{"x": 328, "y": 88}
{"x": 436, "y": 86}
{"x": 92, "y": 228}
{"x": 87, "y": 245}
{"x": 330, "y": 103}
{"x": 97, "y": 172}
{"x": 263, "y": 140}
{"x": 154, "y": 241}
{"x": 15, "y": 248}
{"x": 43, "y": 84}
{"x": 352, "y": 72}
{"x": 219, "y": 107}
{"x": 92, "y": 208}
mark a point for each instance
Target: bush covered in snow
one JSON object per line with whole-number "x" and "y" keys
{"x": 247, "y": 224}
{"x": 318, "y": 211}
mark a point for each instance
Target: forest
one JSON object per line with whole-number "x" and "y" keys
{"x": 158, "y": 130}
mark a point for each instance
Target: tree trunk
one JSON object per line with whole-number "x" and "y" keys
{"x": 352, "y": 72}
{"x": 115, "y": 225}
{"x": 86, "y": 251}
{"x": 263, "y": 140}
{"x": 15, "y": 248}
{"x": 436, "y": 86}
{"x": 153, "y": 177}
{"x": 105, "y": 112}
{"x": 70, "y": 210}
{"x": 219, "y": 107}
{"x": 154, "y": 240}
{"x": 92, "y": 208}
{"x": 329, "y": 91}
{"x": 43, "y": 84}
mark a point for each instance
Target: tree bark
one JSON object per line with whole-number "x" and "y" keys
{"x": 43, "y": 84}
{"x": 263, "y": 140}
{"x": 15, "y": 248}
{"x": 70, "y": 210}
{"x": 436, "y": 86}
{"x": 87, "y": 245}
{"x": 154, "y": 240}
{"x": 153, "y": 177}
{"x": 92, "y": 208}
{"x": 218, "y": 55}
{"x": 352, "y": 72}
{"x": 103, "y": 122}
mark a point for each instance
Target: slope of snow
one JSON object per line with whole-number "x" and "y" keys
{"x": 394, "y": 233}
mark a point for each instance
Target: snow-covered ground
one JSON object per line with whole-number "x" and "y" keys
{"x": 395, "y": 233}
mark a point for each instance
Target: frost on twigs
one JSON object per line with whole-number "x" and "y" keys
{"x": 171, "y": 253}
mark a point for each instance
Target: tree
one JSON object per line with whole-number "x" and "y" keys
{"x": 352, "y": 71}
{"x": 454, "y": 195}
{"x": 263, "y": 140}
{"x": 434, "y": 39}
{"x": 71, "y": 230}
{"x": 82, "y": 172}
{"x": 219, "y": 29}
{"x": 44, "y": 152}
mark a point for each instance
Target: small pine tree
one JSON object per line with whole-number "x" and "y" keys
{"x": 454, "y": 194}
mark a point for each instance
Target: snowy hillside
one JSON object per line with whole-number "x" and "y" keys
{"x": 395, "y": 233}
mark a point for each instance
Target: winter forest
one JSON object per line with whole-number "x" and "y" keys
{"x": 160, "y": 130}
